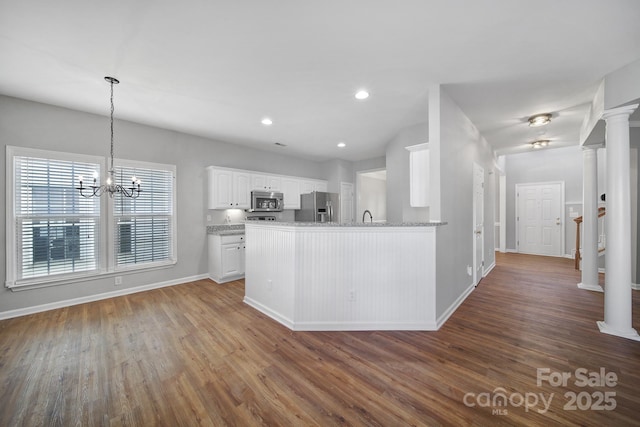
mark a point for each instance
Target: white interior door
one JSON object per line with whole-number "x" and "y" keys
{"x": 539, "y": 218}
{"x": 478, "y": 223}
{"x": 346, "y": 202}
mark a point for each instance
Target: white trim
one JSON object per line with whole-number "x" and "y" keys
{"x": 269, "y": 312}
{"x": 487, "y": 270}
{"x": 635, "y": 286}
{"x": 453, "y": 307}
{"x": 97, "y": 297}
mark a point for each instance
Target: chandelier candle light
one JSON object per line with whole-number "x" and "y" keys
{"x": 110, "y": 187}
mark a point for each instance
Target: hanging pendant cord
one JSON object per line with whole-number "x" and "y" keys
{"x": 112, "y": 108}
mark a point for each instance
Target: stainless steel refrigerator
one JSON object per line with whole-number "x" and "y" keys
{"x": 319, "y": 207}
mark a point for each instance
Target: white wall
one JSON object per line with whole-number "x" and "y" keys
{"x": 456, "y": 145}
{"x": 372, "y": 195}
{"x": 544, "y": 165}
{"x": 29, "y": 124}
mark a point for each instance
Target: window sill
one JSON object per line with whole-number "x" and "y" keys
{"x": 28, "y": 284}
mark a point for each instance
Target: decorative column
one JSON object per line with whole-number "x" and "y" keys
{"x": 590, "y": 220}
{"x": 617, "y": 289}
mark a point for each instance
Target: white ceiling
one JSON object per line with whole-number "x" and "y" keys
{"x": 216, "y": 68}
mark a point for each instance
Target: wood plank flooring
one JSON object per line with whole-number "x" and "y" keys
{"x": 194, "y": 354}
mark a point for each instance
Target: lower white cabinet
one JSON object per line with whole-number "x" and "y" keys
{"x": 226, "y": 257}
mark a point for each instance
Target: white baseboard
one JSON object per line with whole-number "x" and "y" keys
{"x": 486, "y": 271}
{"x": 453, "y": 307}
{"x": 511, "y": 251}
{"x": 267, "y": 311}
{"x": 635, "y": 286}
{"x": 601, "y": 270}
{"x": 97, "y": 297}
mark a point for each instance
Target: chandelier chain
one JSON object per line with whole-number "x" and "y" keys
{"x": 112, "y": 110}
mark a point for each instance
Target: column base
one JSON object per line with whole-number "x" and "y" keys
{"x": 630, "y": 333}
{"x": 595, "y": 288}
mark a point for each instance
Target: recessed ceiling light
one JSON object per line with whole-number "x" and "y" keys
{"x": 540, "y": 143}
{"x": 341, "y": 145}
{"x": 267, "y": 121}
{"x": 539, "y": 120}
{"x": 362, "y": 94}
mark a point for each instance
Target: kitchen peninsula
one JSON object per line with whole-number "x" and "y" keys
{"x": 328, "y": 276}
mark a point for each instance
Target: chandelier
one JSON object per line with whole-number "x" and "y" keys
{"x": 110, "y": 187}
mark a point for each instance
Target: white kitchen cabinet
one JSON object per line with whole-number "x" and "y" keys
{"x": 291, "y": 193}
{"x": 311, "y": 185}
{"x": 226, "y": 257}
{"x": 266, "y": 182}
{"x": 228, "y": 189}
{"x": 321, "y": 186}
{"x": 419, "y": 175}
{"x": 231, "y": 188}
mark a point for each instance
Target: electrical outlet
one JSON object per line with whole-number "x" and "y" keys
{"x": 118, "y": 280}
{"x": 469, "y": 270}
{"x": 208, "y": 218}
{"x": 352, "y": 295}
{"x": 269, "y": 284}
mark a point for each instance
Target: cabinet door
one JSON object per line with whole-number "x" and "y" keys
{"x": 242, "y": 268}
{"x": 231, "y": 257}
{"x": 321, "y": 186}
{"x": 274, "y": 183}
{"x": 258, "y": 182}
{"x": 241, "y": 190}
{"x": 291, "y": 193}
{"x": 419, "y": 175}
{"x": 220, "y": 189}
{"x": 307, "y": 187}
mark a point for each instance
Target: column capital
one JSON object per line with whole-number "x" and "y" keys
{"x": 626, "y": 110}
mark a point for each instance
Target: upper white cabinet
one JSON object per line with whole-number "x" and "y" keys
{"x": 228, "y": 189}
{"x": 231, "y": 188}
{"x": 291, "y": 192}
{"x": 266, "y": 182}
{"x": 419, "y": 175}
{"x": 310, "y": 185}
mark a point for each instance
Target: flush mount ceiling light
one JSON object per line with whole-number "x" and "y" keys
{"x": 539, "y": 120}
{"x": 362, "y": 94}
{"x": 540, "y": 143}
{"x": 267, "y": 121}
{"x": 341, "y": 145}
{"x": 110, "y": 187}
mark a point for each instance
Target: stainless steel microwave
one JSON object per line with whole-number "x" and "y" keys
{"x": 266, "y": 201}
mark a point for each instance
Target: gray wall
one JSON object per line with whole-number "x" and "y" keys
{"x": 460, "y": 146}
{"x": 397, "y": 164}
{"x": 560, "y": 164}
{"x": 29, "y": 124}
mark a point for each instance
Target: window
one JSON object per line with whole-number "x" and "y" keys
{"x": 54, "y": 234}
{"x": 143, "y": 227}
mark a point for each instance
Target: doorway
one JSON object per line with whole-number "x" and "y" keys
{"x": 478, "y": 223}
{"x": 371, "y": 193}
{"x": 540, "y": 218}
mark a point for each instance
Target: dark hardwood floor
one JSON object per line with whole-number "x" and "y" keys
{"x": 194, "y": 354}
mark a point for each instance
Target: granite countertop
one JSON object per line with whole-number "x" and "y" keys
{"x": 355, "y": 224}
{"x": 225, "y": 229}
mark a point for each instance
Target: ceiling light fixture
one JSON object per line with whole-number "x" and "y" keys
{"x": 341, "y": 145}
{"x": 540, "y": 143}
{"x": 110, "y": 187}
{"x": 539, "y": 120}
{"x": 362, "y": 94}
{"x": 267, "y": 121}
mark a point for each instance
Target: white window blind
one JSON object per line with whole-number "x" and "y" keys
{"x": 143, "y": 232}
{"x": 57, "y": 231}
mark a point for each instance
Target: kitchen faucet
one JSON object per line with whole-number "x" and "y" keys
{"x": 365, "y": 213}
